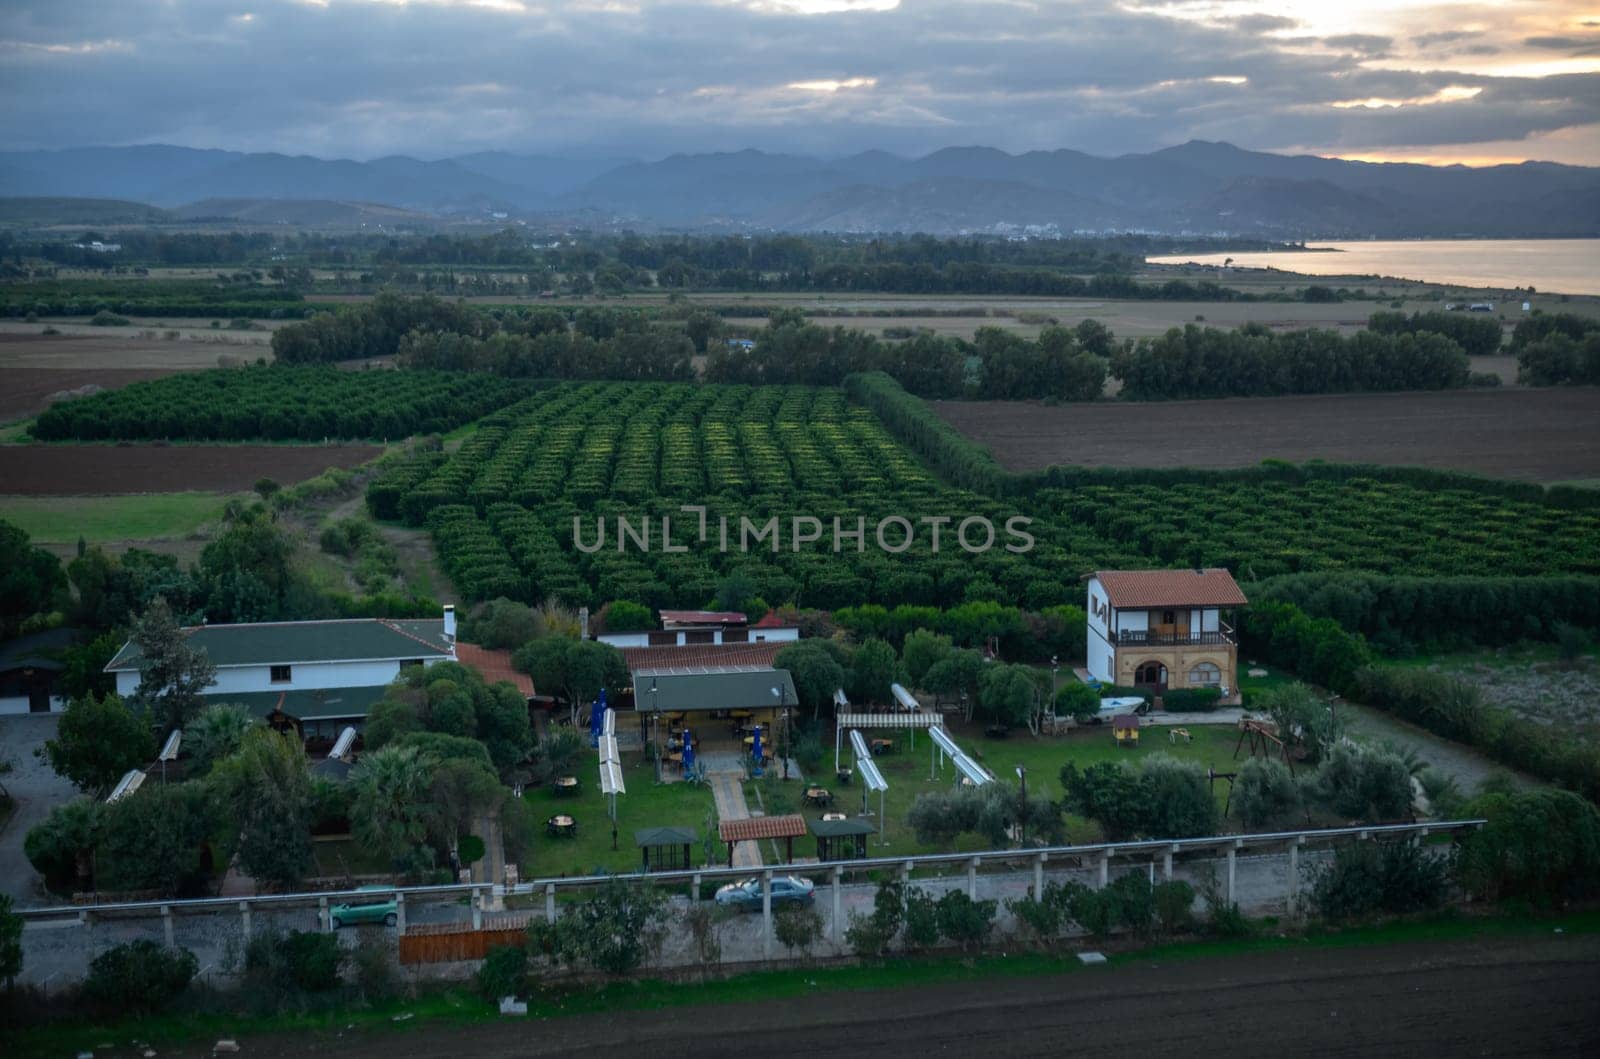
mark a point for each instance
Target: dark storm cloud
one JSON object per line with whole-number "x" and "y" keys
{"x": 433, "y": 78}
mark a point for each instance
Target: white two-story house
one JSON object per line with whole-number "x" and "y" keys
{"x": 319, "y": 675}
{"x": 1161, "y": 629}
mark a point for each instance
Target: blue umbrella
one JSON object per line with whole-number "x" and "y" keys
{"x": 597, "y": 715}
{"x": 688, "y": 752}
{"x": 755, "y": 749}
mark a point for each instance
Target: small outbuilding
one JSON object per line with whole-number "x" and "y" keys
{"x": 666, "y": 848}
{"x": 1125, "y": 728}
{"x": 841, "y": 839}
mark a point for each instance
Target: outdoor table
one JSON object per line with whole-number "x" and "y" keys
{"x": 561, "y": 826}
{"x": 818, "y": 796}
{"x": 749, "y": 740}
{"x": 882, "y": 746}
{"x": 566, "y": 785}
{"x": 675, "y": 759}
{"x": 834, "y": 816}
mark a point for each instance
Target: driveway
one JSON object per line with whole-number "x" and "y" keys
{"x": 1469, "y": 767}
{"x": 37, "y": 790}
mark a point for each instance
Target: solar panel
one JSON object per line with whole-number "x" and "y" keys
{"x": 904, "y": 697}
{"x": 126, "y": 785}
{"x": 870, "y": 776}
{"x": 608, "y": 749}
{"x": 611, "y": 778}
{"x": 342, "y": 745}
{"x": 859, "y": 744}
{"x": 958, "y": 757}
{"x": 609, "y": 725}
{"x": 169, "y": 751}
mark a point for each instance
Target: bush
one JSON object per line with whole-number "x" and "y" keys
{"x": 504, "y": 973}
{"x": 1367, "y": 878}
{"x": 1362, "y": 784}
{"x": 295, "y": 961}
{"x": 139, "y": 977}
{"x": 1265, "y": 792}
{"x": 1174, "y": 904}
{"x": 107, "y": 318}
{"x": 871, "y": 936}
{"x": 1041, "y": 916}
{"x": 922, "y": 919}
{"x": 1191, "y": 700}
{"x": 1538, "y": 845}
{"x": 797, "y": 928}
{"x": 375, "y": 972}
{"x": 963, "y": 920}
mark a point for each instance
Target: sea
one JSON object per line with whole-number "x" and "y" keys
{"x": 1564, "y": 266}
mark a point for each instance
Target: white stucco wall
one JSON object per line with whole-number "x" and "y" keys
{"x": 310, "y": 675}
{"x": 19, "y": 704}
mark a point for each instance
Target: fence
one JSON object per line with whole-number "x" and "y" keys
{"x": 449, "y": 943}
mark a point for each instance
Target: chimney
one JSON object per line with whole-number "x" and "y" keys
{"x": 450, "y": 622}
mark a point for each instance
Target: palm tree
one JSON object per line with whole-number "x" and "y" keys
{"x": 392, "y": 805}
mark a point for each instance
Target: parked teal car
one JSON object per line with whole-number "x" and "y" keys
{"x": 379, "y": 908}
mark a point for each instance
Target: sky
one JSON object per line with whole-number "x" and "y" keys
{"x": 1476, "y": 83}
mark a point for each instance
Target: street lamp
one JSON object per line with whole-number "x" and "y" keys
{"x": 1022, "y": 814}
{"x": 655, "y": 713}
{"x": 783, "y": 706}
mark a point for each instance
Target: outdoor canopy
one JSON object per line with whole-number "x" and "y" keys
{"x": 680, "y": 689}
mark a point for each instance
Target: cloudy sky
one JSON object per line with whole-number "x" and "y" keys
{"x": 1400, "y": 79}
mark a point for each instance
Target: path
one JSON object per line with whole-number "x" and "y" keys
{"x": 491, "y": 867}
{"x": 728, "y": 790}
{"x": 36, "y": 789}
{"x": 1469, "y": 767}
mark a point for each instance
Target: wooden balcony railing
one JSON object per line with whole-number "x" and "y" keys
{"x": 1142, "y": 638}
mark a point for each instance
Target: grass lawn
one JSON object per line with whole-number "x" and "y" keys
{"x": 97, "y": 519}
{"x": 646, "y": 804}
{"x": 907, "y": 773}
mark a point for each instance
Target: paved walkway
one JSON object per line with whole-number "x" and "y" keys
{"x": 37, "y": 790}
{"x": 728, "y": 790}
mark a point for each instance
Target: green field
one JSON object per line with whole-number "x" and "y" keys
{"x": 101, "y": 519}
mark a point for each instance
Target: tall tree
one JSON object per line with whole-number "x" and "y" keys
{"x": 97, "y": 741}
{"x": 173, "y": 674}
{"x": 390, "y": 809}
{"x": 215, "y": 733}
{"x": 267, "y": 789}
{"x": 30, "y": 579}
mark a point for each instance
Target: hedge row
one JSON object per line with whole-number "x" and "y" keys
{"x": 1406, "y": 613}
{"x": 942, "y": 447}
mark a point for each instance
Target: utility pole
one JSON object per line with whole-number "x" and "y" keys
{"x": 1022, "y": 814}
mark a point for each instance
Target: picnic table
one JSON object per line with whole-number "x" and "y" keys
{"x": 561, "y": 826}
{"x": 565, "y": 786}
{"x": 818, "y": 796}
{"x": 834, "y": 816}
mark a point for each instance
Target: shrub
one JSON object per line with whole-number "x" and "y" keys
{"x": 798, "y": 928}
{"x": 1265, "y": 792}
{"x": 963, "y": 920}
{"x": 614, "y": 930}
{"x": 1366, "y": 878}
{"x": 139, "y": 977}
{"x": 1042, "y": 916}
{"x": 1191, "y": 700}
{"x": 1363, "y": 784}
{"x": 295, "y": 961}
{"x": 374, "y": 970}
{"x": 922, "y": 919}
{"x": 872, "y": 935}
{"x": 107, "y": 318}
{"x": 1538, "y": 845}
{"x": 1174, "y": 906}
{"x": 10, "y": 942}
{"x": 504, "y": 973}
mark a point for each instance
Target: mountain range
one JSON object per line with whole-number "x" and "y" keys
{"x": 1197, "y": 187}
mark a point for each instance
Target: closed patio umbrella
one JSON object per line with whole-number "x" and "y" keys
{"x": 755, "y": 749}
{"x": 597, "y": 714}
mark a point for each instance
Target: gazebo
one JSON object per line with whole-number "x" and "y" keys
{"x": 756, "y": 828}
{"x": 666, "y": 848}
{"x": 841, "y": 839}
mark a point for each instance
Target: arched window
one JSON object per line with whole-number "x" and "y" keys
{"x": 1205, "y": 674}
{"x": 1151, "y": 674}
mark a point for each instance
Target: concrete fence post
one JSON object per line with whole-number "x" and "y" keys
{"x": 694, "y": 889}
{"x": 1233, "y": 858}
{"x": 244, "y": 915}
{"x": 166, "y": 925}
{"x": 972, "y": 878}
{"x": 477, "y": 909}
{"x": 1105, "y": 871}
{"x": 550, "y": 902}
{"x": 1038, "y": 876}
{"x": 400, "y": 913}
{"x": 766, "y": 913}
{"x": 837, "y": 878}
{"x": 323, "y": 922}
{"x": 1166, "y": 862}
{"x": 1294, "y": 875}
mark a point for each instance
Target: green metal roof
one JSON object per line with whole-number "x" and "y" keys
{"x": 664, "y": 836}
{"x": 712, "y": 688}
{"x": 288, "y": 642}
{"x": 310, "y": 704}
{"x": 841, "y": 828}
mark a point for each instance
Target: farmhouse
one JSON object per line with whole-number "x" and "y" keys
{"x": 701, "y": 628}
{"x": 319, "y": 675}
{"x": 1161, "y": 629}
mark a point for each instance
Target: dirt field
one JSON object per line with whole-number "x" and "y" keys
{"x": 28, "y": 391}
{"x": 1543, "y": 435}
{"x": 1490, "y": 997}
{"x": 99, "y": 470}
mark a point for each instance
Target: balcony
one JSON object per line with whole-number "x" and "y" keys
{"x": 1142, "y": 638}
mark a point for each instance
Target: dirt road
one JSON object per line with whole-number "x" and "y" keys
{"x": 1500, "y": 997}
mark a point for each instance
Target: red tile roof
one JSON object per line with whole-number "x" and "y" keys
{"x": 1212, "y": 587}
{"x": 703, "y": 617}
{"x": 759, "y": 827}
{"x": 493, "y": 666}
{"x": 674, "y": 657}
{"x": 771, "y": 621}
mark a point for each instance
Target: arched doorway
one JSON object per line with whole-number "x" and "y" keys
{"x": 1151, "y": 675}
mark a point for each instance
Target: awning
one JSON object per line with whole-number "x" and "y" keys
{"x": 664, "y": 836}
{"x": 760, "y": 827}
{"x": 712, "y": 688}
{"x": 841, "y": 828}
{"x": 889, "y": 720}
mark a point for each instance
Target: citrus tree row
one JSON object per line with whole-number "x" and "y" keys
{"x": 280, "y": 404}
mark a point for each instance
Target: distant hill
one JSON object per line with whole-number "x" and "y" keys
{"x": 1197, "y": 187}
{"x": 49, "y": 211}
